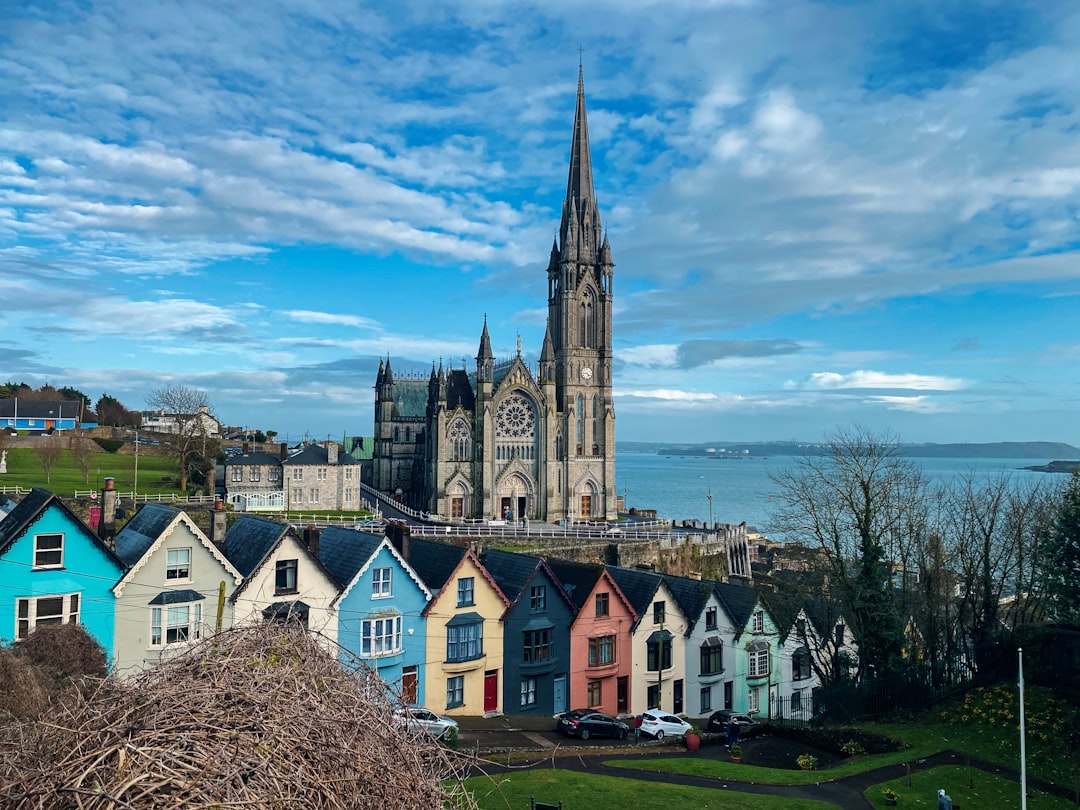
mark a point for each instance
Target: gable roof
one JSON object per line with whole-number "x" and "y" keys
{"x": 317, "y": 454}
{"x": 143, "y": 529}
{"x": 253, "y": 459}
{"x": 484, "y": 573}
{"x": 31, "y": 508}
{"x": 639, "y": 586}
{"x": 434, "y": 562}
{"x": 739, "y": 602}
{"x": 577, "y": 579}
{"x": 148, "y": 529}
{"x": 459, "y": 390}
{"x": 347, "y": 553}
{"x": 10, "y": 407}
{"x": 249, "y": 540}
{"x": 513, "y": 572}
{"x": 691, "y": 596}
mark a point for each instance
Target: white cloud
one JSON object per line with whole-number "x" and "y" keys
{"x": 830, "y": 380}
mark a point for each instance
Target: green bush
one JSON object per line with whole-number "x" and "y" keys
{"x": 110, "y": 445}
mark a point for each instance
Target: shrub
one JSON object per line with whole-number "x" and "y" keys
{"x": 63, "y": 652}
{"x": 109, "y": 445}
{"x": 23, "y": 695}
{"x": 807, "y": 762}
{"x": 853, "y": 748}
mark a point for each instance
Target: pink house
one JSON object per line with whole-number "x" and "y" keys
{"x": 600, "y": 639}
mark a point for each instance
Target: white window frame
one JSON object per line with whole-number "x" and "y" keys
{"x": 274, "y": 474}
{"x": 759, "y": 621}
{"x": 528, "y": 692}
{"x": 455, "y": 691}
{"x": 313, "y": 495}
{"x": 237, "y": 474}
{"x": 298, "y": 474}
{"x": 757, "y": 663}
{"x": 381, "y": 636}
{"x": 254, "y": 474}
{"x": 184, "y": 618}
{"x": 27, "y": 617}
{"x": 321, "y": 474}
{"x": 382, "y": 583}
{"x": 753, "y": 704}
{"x": 174, "y": 570}
{"x": 38, "y": 551}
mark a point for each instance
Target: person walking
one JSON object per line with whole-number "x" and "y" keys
{"x": 944, "y": 802}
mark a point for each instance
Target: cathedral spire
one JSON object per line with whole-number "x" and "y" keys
{"x": 579, "y": 185}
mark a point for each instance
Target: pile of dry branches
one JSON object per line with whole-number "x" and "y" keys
{"x": 257, "y": 717}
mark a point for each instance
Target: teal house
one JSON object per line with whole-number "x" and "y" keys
{"x": 380, "y": 607}
{"x": 55, "y": 570}
{"x": 756, "y": 646}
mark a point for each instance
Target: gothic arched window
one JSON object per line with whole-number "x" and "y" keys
{"x": 515, "y": 428}
{"x": 587, "y": 321}
{"x": 580, "y": 425}
{"x": 596, "y": 425}
{"x": 459, "y": 437}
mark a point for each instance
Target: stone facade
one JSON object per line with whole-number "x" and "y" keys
{"x": 318, "y": 477}
{"x": 506, "y": 440}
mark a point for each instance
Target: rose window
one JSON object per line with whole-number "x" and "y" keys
{"x": 514, "y": 417}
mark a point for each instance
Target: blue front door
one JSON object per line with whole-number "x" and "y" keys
{"x": 560, "y": 694}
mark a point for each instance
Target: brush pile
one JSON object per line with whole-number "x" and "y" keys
{"x": 256, "y": 717}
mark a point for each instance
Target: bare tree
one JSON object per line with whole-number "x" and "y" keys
{"x": 192, "y": 444}
{"x": 859, "y": 503}
{"x": 48, "y": 450}
{"x": 82, "y": 451}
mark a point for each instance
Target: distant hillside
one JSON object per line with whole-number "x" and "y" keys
{"x": 735, "y": 450}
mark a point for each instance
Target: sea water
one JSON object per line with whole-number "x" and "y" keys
{"x": 737, "y": 490}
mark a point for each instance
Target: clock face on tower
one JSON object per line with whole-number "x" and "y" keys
{"x": 586, "y": 373}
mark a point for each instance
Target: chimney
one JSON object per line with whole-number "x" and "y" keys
{"x": 311, "y": 539}
{"x": 399, "y": 537}
{"x": 217, "y": 524}
{"x": 107, "y": 526}
{"x": 331, "y": 452}
{"x": 245, "y": 449}
{"x": 284, "y": 451}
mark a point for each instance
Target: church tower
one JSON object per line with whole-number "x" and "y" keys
{"x": 579, "y": 325}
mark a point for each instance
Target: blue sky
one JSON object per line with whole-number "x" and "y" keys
{"x": 821, "y": 213}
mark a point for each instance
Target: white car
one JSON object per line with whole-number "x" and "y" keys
{"x": 660, "y": 724}
{"x": 418, "y": 718}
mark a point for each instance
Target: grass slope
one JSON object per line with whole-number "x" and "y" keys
{"x": 157, "y": 474}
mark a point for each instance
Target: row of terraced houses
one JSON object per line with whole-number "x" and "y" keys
{"x": 464, "y": 630}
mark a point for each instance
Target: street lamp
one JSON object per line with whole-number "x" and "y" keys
{"x": 709, "y": 496}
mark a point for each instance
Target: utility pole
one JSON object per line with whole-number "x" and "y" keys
{"x": 709, "y": 496}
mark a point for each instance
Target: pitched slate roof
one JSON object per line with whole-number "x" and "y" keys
{"x": 410, "y": 398}
{"x": 317, "y": 454}
{"x": 345, "y": 551}
{"x": 253, "y": 459}
{"x": 639, "y": 587}
{"x": 433, "y": 562}
{"x": 39, "y": 408}
{"x": 249, "y": 540}
{"x": 143, "y": 530}
{"x": 459, "y": 390}
{"x": 738, "y": 601}
{"x": 510, "y": 570}
{"x": 691, "y": 596}
{"x": 30, "y": 508}
{"x": 577, "y": 579}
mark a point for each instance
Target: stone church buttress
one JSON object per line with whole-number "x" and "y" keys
{"x": 506, "y": 441}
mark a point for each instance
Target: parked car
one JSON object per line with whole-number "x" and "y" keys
{"x": 584, "y": 724}
{"x": 660, "y": 724}
{"x": 369, "y": 526}
{"x": 718, "y": 721}
{"x": 419, "y": 718}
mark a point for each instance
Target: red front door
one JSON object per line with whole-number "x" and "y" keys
{"x": 491, "y": 691}
{"x": 408, "y": 685}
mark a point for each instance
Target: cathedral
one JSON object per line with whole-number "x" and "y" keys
{"x": 506, "y": 441}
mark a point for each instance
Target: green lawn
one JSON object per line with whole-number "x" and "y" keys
{"x": 587, "y": 791}
{"x": 967, "y": 787}
{"x": 157, "y": 474}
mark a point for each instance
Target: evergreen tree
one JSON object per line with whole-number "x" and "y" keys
{"x": 1065, "y": 574}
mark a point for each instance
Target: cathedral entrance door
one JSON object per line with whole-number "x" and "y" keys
{"x": 506, "y": 511}
{"x": 521, "y": 509}
{"x": 586, "y": 507}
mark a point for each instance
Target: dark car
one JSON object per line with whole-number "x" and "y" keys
{"x": 718, "y": 722}
{"x": 584, "y": 724}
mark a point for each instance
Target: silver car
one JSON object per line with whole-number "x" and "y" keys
{"x": 419, "y": 718}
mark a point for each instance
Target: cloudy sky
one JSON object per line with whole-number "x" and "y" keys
{"x": 821, "y": 213}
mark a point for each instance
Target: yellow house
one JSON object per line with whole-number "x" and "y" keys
{"x": 465, "y": 642}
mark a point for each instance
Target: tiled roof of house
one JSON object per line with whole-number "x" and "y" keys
{"x": 738, "y": 601}
{"x": 510, "y": 570}
{"x": 253, "y": 459}
{"x": 345, "y": 551}
{"x": 249, "y": 540}
{"x": 38, "y": 408}
{"x": 577, "y": 579}
{"x": 639, "y": 587}
{"x": 433, "y": 562}
{"x": 691, "y": 594}
{"x": 23, "y": 516}
{"x": 317, "y": 454}
{"x": 144, "y": 528}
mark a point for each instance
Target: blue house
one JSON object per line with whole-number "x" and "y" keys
{"x": 380, "y": 608}
{"x": 536, "y": 647}
{"x": 40, "y": 416}
{"x": 55, "y": 570}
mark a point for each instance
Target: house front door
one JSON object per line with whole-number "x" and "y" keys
{"x": 622, "y": 691}
{"x": 677, "y": 703}
{"x": 559, "y": 694}
{"x": 491, "y": 691}
{"x": 408, "y": 685}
